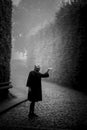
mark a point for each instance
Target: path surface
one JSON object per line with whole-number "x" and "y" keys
{"x": 61, "y": 108}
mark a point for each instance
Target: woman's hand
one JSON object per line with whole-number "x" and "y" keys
{"x": 49, "y": 69}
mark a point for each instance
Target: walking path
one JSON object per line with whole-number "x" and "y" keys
{"x": 61, "y": 109}
{"x": 16, "y": 96}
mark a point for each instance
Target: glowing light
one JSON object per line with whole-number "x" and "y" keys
{"x": 20, "y": 35}
{"x": 20, "y": 55}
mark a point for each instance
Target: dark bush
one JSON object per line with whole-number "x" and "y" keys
{"x": 5, "y": 39}
{"x": 71, "y": 21}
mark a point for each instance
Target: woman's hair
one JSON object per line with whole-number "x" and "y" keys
{"x": 36, "y": 67}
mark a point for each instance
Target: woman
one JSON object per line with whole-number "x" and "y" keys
{"x": 34, "y": 85}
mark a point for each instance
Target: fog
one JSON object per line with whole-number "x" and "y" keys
{"x": 28, "y": 18}
{"x": 36, "y": 39}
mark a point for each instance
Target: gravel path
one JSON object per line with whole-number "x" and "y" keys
{"x": 61, "y": 108}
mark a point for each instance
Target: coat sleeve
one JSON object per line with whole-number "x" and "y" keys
{"x": 45, "y": 75}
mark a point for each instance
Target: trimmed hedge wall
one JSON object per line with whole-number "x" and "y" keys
{"x": 5, "y": 39}
{"x": 71, "y": 20}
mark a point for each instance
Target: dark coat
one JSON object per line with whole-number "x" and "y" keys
{"x": 34, "y": 83}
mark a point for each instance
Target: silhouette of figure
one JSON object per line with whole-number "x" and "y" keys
{"x": 34, "y": 85}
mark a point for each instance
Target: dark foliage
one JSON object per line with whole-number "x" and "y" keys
{"x": 71, "y": 21}
{"x": 5, "y": 39}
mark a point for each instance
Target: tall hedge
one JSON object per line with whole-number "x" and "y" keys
{"x": 5, "y": 39}
{"x": 71, "y": 21}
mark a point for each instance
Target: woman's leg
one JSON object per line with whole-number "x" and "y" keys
{"x": 32, "y": 105}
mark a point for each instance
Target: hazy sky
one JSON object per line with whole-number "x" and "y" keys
{"x": 29, "y": 16}
{"x": 30, "y": 13}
